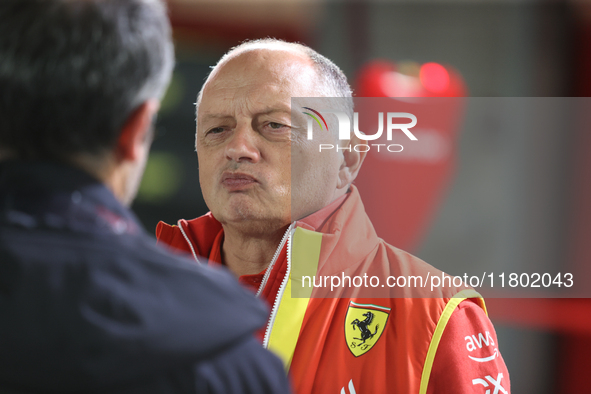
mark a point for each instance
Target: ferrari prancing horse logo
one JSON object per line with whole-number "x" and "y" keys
{"x": 364, "y": 324}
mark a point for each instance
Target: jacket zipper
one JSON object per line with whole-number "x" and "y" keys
{"x": 274, "y": 310}
{"x": 273, "y": 260}
{"x": 288, "y": 235}
{"x": 188, "y": 242}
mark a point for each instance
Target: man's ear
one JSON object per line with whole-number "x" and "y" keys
{"x": 351, "y": 164}
{"x": 136, "y": 131}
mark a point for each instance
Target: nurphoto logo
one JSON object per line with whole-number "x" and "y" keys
{"x": 345, "y": 129}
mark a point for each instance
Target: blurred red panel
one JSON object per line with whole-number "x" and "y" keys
{"x": 229, "y": 22}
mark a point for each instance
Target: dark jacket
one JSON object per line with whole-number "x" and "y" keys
{"x": 89, "y": 303}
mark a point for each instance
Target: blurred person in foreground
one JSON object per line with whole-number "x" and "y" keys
{"x": 88, "y": 302}
{"x": 274, "y": 198}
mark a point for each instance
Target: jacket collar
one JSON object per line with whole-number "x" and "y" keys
{"x": 348, "y": 235}
{"x": 54, "y": 195}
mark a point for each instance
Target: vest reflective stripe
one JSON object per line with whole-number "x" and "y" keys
{"x": 303, "y": 254}
{"x": 441, "y": 324}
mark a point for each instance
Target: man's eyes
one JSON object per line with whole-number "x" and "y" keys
{"x": 268, "y": 126}
{"x": 276, "y": 126}
{"x": 216, "y": 130}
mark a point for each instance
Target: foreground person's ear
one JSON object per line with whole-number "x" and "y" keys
{"x": 136, "y": 131}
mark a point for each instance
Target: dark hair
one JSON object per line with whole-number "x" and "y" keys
{"x": 71, "y": 72}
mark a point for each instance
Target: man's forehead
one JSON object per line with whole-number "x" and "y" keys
{"x": 257, "y": 66}
{"x": 270, "y": 56}
{"x": 228, "y": 112}
{"x": 258, "y": 81}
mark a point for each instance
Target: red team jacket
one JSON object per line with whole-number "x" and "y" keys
{"x": 413, "y": 340}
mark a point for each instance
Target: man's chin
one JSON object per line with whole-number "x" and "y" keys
{"x": 252, "y": 221}
{"x": 235, "y": 213}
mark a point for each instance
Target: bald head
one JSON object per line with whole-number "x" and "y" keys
{"x": 257, "y": 65}
{"x": 330, "y": 81}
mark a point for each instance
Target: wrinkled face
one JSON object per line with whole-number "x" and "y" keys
{"x": 256, "y": 168}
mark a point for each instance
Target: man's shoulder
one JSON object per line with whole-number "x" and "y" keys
{"x": 104, "y": 262}
{"x": 121, "y": 291}
{"x": 353, "y": 246}
{"x": 405, "y": 275}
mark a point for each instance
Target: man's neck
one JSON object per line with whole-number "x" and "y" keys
{"x": 247, "y": 255}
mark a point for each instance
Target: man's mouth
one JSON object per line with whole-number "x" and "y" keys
{"x": 236, "y": 181}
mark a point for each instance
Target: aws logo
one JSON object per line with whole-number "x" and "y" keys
{"x": 475, "y": 342}
{"x": 345, "y": 129}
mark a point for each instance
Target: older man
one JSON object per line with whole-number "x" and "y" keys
{"x": 275, "y": 200}
{"x": 88, "y": 302}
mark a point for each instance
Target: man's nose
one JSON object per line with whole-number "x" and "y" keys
{"x": 243, "y": 145}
